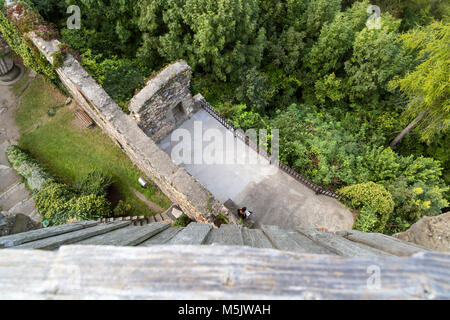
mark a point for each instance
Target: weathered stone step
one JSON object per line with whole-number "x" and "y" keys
{"x": 158, "y": 218}
{"x": 255, "y": 238}
{"x": 129, "y": 236}
{"x": 73, "y": 237}
{"x": 339, "y": 245}
{"x": 35, "y": 215}
{"x": 8, "y": 178}
{"x": 292, "y": 241}
{"x": 151, "y": 219}
{"x": 166, "y": 217}
{"x": 194, "y": 233}
{"x": 162, "y": 237}
{"x": 17, "y": 193}
{"x": 381, "y": 242}
{"x": 20, "y": 238}
{"x": 26, "y": 207}
{"x": 226, "y": 235}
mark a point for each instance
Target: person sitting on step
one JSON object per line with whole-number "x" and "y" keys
{"x": 244, "y": 213}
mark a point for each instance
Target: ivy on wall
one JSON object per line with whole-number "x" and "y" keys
{"x": 24, "y": 47}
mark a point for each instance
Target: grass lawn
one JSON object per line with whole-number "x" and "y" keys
{"x": 68, "y": 152}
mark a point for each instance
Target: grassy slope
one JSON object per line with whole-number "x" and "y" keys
{"x": 68, "y": 152}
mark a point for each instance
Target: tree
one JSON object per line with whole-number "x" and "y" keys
{"x": 336, "y": 41}
{"x": 215, "y": 36}
{"x": 377, "y": 57}
{"x": 427, "y": 86}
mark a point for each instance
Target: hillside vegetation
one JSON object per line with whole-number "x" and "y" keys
{"x": 358, "y": 106}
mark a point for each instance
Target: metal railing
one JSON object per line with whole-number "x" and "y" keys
{"x": 318, "y": 189}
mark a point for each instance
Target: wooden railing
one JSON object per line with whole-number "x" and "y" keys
{"x": 318, "y": 189}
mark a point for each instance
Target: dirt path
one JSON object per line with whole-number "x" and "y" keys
{"x": 152, "y": 206}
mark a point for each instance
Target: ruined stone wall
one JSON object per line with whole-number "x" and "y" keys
{"x": 183, "y": 189}
{"x": 165, "y": 103}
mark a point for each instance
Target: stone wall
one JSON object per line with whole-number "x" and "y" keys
{"x": 165, "y": 102}
{"x": 183, "y": 189}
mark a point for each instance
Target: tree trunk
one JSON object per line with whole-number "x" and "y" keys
{"x": 407, "y": 129}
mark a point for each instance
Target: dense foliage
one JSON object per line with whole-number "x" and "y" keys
{"x": 339, "y": 91}
{"x": 36, "y": 177}
{"x": 374, "y": 202}
{"x": 57, "y": 202}
{"x": 23, "y": 46}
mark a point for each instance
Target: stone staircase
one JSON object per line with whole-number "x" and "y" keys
{"x": 119, "y": 260}
{"x": 305, "y": 240}
{"x": 170, "y": 215}
{"x": 14, "y": 196}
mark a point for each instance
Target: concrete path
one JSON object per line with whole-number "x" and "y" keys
{"x": 14, "y": 196}
{"x": 240, "y": 174}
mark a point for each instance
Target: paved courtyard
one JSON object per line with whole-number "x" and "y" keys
{"x": 231, "y": 170}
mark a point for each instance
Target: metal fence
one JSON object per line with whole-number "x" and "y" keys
{"x": 261, "y": 151}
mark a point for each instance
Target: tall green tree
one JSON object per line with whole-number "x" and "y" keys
{"x": 427, "y": 87}
{"x": 220, "y": 37}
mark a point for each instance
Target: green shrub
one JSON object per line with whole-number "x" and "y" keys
{"x": 412, "y": 202}
{"x": 57, "y": 203}
{"x": 37, "y": 178}
{"x": 122, "y": 209}
{"x": 374, "y": 202}
{"x": 52, "y": 203}
{"x": 94, "y": 182}
{"x": 182, "y": 221}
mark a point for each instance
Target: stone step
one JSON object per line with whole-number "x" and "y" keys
{"x": 291, "y": 241}
{"x": 151, "y": 219}
{"x": 21, "y": 238}
{"x": 308, "y": 245}
{"x": 35, "y": 216}
{"x": 158, "y": 218}
{"x": 166, "y": 217}
{"x": 8, "y": 178}
{"x": 382, "y": 242}
{"x": 255, "y": 238}
{"x": 162, "y": 237}
{"x": 129, "y": 236}
{"x": 170, "y": 215}
{"x": 25, "y": 207}
{"x": 226, "y": 235}
{"x": 176, "y": 213}
{"x": 17, "y": 193}
{"x": 339, "y": 245}
{"x": 73, "y": 237}
{"x": 194, "y": 233}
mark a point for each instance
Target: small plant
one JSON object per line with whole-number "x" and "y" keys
{"x": 58, "y": 58}
{"x": 122, "y": 209}
{"x": 182, "y": 221}
{"x": 95, "y": 182}
{"x": 51, "y": 112}
{"x": 221, "y": 219}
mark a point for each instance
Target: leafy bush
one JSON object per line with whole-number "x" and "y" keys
{"x": 119, "y": 77}
{"x": 182, "y": 221}
{"x": 57, "y": 203}
{"x": 122, "y": 209}
{"x": 374, "y": 202}
{"x": 94, "y": 182}
{"x": 37, "y": 178}
{"x": 412, "y": 202}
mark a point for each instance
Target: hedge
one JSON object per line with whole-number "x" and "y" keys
{"x": 37, "y": 178}
{"x": 57, "y": 202}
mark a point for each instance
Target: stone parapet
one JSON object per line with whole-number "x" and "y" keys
{"x": 192, "y": 197}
